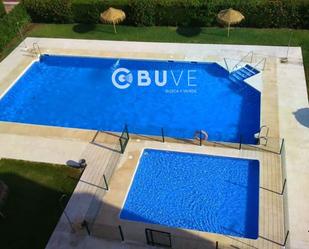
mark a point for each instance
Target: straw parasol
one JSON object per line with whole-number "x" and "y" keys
{"x": 113, "y": 16}
{"x": 230, "y": 17}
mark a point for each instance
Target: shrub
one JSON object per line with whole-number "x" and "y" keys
{"x": 10, "y": 24}
{"x": 142, "y": 12}
{"x": 258, "y": 13}
{"x": 2, "y": 9}
{"x": 86, "y": 11}
{"x": 49, "y": 11}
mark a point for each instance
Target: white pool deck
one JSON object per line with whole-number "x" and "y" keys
{"x": 287, "y": 118}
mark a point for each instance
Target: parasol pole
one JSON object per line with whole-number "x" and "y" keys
{"x": 114, "y": 28}
{"x": 228, "y": 29}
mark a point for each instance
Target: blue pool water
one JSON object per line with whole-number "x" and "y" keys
{"x": 193, "y": 191}
{"x": 78, "y": 92}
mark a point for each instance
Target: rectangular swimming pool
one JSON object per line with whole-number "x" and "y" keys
{"x": 106, "y": 94}
{"x": 194, "y": 191}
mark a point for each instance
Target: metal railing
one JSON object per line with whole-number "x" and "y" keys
{"x": 260, "y": 62}
{"x": 123, "y": 139}
{"x": 199, "y": 137}
{"x": 285, "y": 197}
{"x": 36, "y": 49}
{"x": 226, "y": 65}
{"x": 119, "y": 232}
{"x": 243, "y": 59}
{"x": 102, "y": 188}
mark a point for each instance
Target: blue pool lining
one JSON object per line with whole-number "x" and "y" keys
{"x": 18, "y": 78}
{"x": 87, "y": 56}
{"x": 131, "y": 181}
{"x": 187, "y": 61}
{"x": 176, "y": 151}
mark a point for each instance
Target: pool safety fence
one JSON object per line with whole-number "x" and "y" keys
{"x": 262, "y": 141}
{"x": 124, "y": 139}
{"x": 285, "y": 197}
{"x": 142, "y": 234}
{"x": 158, "y": 238}
{"x": 101, "y": 189}
{"x": 273, "y": 145}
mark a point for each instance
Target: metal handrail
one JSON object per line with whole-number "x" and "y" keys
{"x": 242, "y": 59}
{"x": 227, "y": 67}
{"x": 264, "y": 63}
{"x": 265, "y": 136}
{"x": 36, "y": 48}
{"x": 266, "y": 127}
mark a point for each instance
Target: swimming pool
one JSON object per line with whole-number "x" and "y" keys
{"x": 79, "y": 92}
{"x": 194, "y": 191}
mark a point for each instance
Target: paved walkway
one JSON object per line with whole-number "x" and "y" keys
{"x": 40, "y": 149}
{"x": 84, "y": 203}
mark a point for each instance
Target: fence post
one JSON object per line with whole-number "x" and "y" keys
{"x": 105, "y": 181}
{"x": 240, "y": 140}
{"x": 282, "y": 143}
{"x": 286, "y": 237}
{"x": 121, "y": 146}
{"x": 283, "y": 187}
{"x": 127, "y": 131}
{"x": 95, "y": 136}
{"x": 200, "y": 137}
{"x": 85, "y": 225}
{"x": 121, "y": 233}
{"x": 227, "y": 67}
{"x": 217, "y": 245}
{"x": 162, "y": 134}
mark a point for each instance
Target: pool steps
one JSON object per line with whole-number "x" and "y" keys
{"x": 243, "y": 73}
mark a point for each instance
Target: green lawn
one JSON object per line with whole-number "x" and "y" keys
{"x": 32, "y": 209}
{"x": 172, "y": 34}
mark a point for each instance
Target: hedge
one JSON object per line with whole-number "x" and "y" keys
{"x": 17, "y": 19}
{"x": 2, "y": 9}
{"x": 258, "y": 13}
{"x": 88, "y": 11}
{"x": 49, "y": 11}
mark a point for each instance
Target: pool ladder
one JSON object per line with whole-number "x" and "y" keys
{"x": 250, "y": 54}
{"x": 248, "y": 58}
{"x": 36, "y": 49}
{"x": 263, "y": 136}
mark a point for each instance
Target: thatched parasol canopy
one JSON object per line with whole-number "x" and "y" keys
{"x": 230, "y": 17}
{"x": 113, "y": 16}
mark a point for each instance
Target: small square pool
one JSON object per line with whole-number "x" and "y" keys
{"x": 195, "y": 191}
